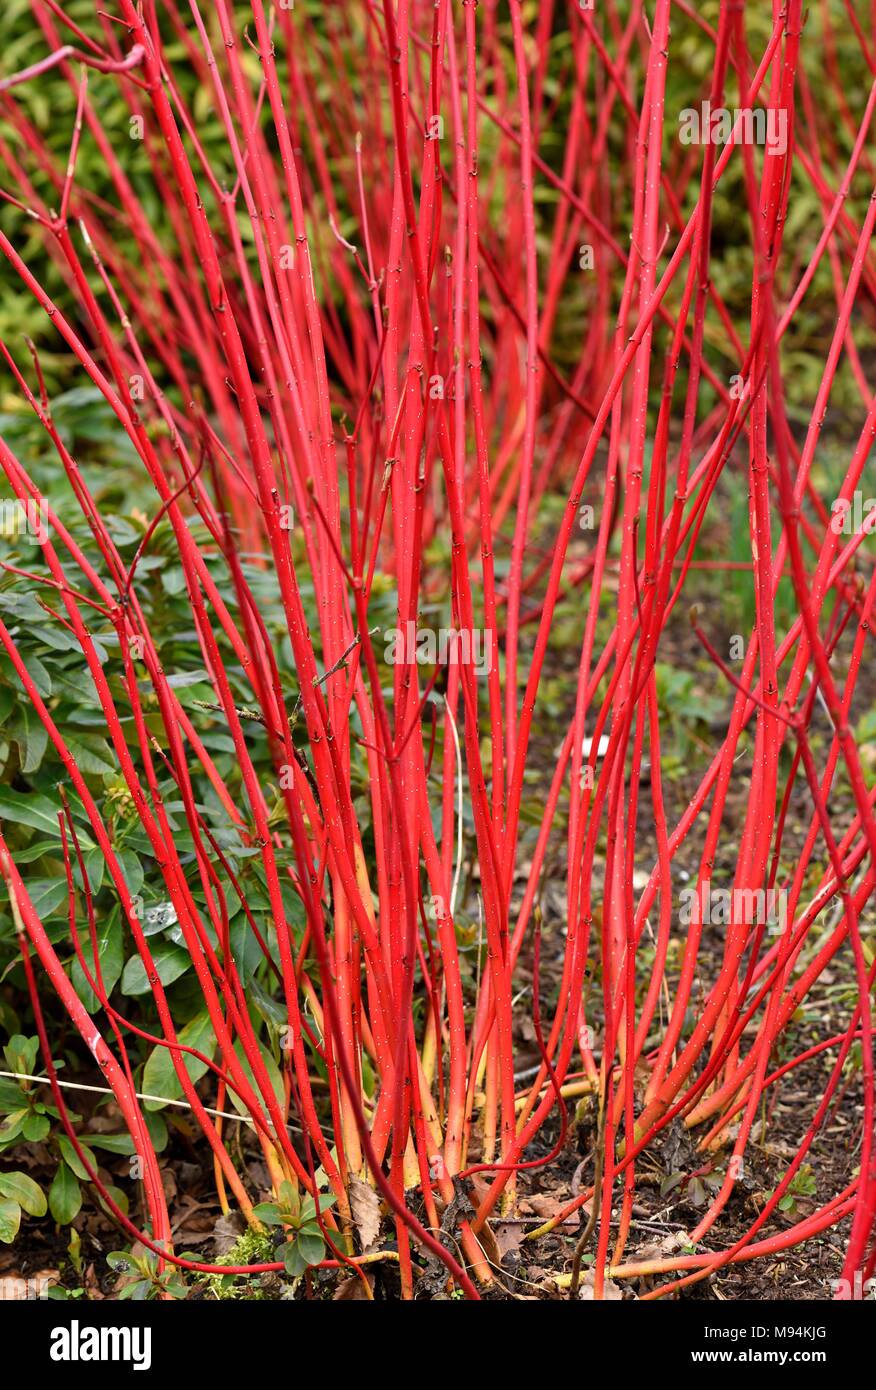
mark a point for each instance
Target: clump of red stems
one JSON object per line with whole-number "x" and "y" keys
{"x": 397, "y": 385}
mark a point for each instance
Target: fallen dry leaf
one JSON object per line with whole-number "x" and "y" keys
{"x": 662, "y": 1249}
{"x": 365, "y": 1207}
{"x": 226, "y": 1232}
{"x": 489, "y": 1244}
{"x": 351, "y": 1290}
{"x": 91, "y": 1280}
{"x": 542, "y": 1204}
{"x": 611, "y": 1292}
{"x": 509, "y": 1236}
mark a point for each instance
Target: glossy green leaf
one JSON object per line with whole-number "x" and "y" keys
{"x": 159, "y": 1074}
{"x": 110, "y": 945}
{"x": 10, "y": 1220}
{"x": 23, "y": 1190}
{"x": 65, "y": 1195}
{"x": 170, "y": 963}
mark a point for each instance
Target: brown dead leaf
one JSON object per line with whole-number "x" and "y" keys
{"x": 226, "y": 1231}
{"x": 611, "y": 1292}
{"x": 365, "y": 1207}
{"x": 542, "y": 1204}
{"x": 91, "y": 1281}
{"x": 509, "y": 1236}
{"x": 193, "y": 1217}
{"x": 351, "y": 1290}
{"x": 662, "y": 1249}
{"x": 489, "y": 1244}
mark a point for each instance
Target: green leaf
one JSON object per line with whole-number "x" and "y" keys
{"x": 306, "y": 1249}
{"x": 270, "y": 1009}
{"x": 12, "y": 1125}
{"x": 31, "y": 737}
{"x": 10, "y": 1220}
{"x": 35, "y": 1128}
{"x": 308, "y": 1207}
{"x": 122, "y": 532}
{"x": 95, "y": 865}
{"x": 26, "y": 854}
{"x": 181, "y": 679}
{"x": 170, "y": 962}
{"x": 268, "y": 1213}
{"x": 113, "y": 1143}
{"x": 72, "y": 1158}
{"x": 132, "y": 870}
{"x": 174, "y": 580}
{"x": 111, "y": 954}
{"x": 47, "y": 895}
{"x": 92, "y": 754}
{"x": 139, "y": 1290}
{"x": 120, "y": 1261}
{"x": 23, "y": 1190}
{"x": 37, "y": 811}
{"x": 65, "y": 1195}
{"x": 21, "y": 1053}
{"x": 10, "y": 1095}
{"x": 311, "y": 1245}
{"x": 289, "y": 1201}
{"x": 58, "y": 638}
{"x": 245, "y": 949}
{"x": 23, "y": 607}
{"x": 157, "y": 1128}
{"x": 293, "y": 1260}
{"x": 272, "y": 1070}
{"x": 159, "y": 1076}
{"x": 118, "y": 1196}
{"x": 36, "y": 670}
